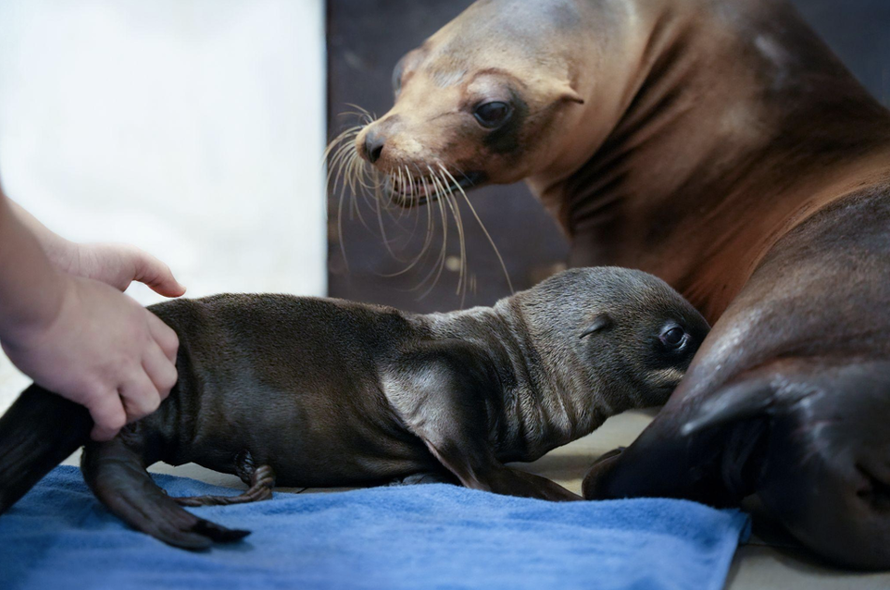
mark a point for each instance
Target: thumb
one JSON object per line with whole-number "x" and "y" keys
{"x": 157, "y": 275}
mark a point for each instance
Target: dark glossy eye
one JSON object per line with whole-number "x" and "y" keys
{"x": 674, "y": 337}
{"x": 493, "y": 114}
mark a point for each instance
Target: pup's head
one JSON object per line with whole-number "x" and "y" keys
{"x": 481, "y": 101}
{"x": 621, "y": 332}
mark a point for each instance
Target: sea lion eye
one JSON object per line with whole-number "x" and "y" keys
{"x": 493, "y": 114}
{"x": 674, "y": 337}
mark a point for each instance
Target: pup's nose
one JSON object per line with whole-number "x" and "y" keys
{"x": 374, "y": 143}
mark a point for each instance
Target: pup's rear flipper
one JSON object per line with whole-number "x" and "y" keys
{"x": 261, "y": 479}
{"x": 117, "y": 476}
{"x": 39, "y": 431}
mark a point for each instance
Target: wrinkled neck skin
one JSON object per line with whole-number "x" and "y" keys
{"x": 709, "y": 129}
{"x": 548, "y": 396}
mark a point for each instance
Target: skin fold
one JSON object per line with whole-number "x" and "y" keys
{"x": 721, "y": 146}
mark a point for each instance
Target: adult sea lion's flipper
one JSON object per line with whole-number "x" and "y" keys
{"x": 808, "y": 436}
{"x": 117, "y": 476}
{"x": 39, "y": 431}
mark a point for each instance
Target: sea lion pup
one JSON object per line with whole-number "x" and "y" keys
{"x": 721, "y": 146}
{"x": 323, "y": 392}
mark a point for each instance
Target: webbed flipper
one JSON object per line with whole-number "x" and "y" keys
{"x": 117, "y": 476}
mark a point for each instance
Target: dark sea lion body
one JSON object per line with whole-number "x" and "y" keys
{"x": 285, "y": 377}
{"x": 720, "y": 145}
{"x": 320, "y": 392}
{"x": 802, "y": 423}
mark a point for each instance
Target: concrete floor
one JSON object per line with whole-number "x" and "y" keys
{"x": 770, "y": 560}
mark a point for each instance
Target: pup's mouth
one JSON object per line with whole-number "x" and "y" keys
{"x": 424, "y": 189}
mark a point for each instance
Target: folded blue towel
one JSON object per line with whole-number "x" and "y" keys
{"x": 412, "y": 537}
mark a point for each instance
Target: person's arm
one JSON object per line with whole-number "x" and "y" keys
{"x": 78, "y": 337}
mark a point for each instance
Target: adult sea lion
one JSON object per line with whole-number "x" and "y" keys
{"x": 720, "y": 145}
{"x": 323, "y": 392}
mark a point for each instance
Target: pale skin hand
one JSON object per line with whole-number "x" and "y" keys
{"x": 113, "y": 264}
{"x": 64, "y": 322}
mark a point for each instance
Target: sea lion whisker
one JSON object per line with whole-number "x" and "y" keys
{"x": 439, "y": 266}
{"x": 355, "y": 130}
{"x": 455, "y": 212}
{"x": 358, "y": 168}
{"x": 338, "y": 165}
{"x": 481, "y": 225}
{"x": 367, "y": 116}
{"x": 404, "y": 173}
{"x": 463, "y": 266}
{"x": 377, "y": 199}
{"x": 416, "y": 215}
{"x": 335, "y": 162}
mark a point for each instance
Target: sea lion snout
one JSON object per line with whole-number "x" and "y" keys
{"x": 373, "y": 144}
{"x": 467, "y": 117}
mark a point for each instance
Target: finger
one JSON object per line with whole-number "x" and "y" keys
{"x": 140, "y": 398}
{"x": 164, "y": 336}
{"x": 156, "y": 274}
{"x": 160, "y": 370}
{"x": 109, "y": 416}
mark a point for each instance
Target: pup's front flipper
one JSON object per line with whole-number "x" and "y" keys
{"x": 478, "y": 468}
{"x": 505, "y": 480}
{"x": 117, "y": 476}
{"x": 451, "y": 416}
{"x": 260, "y": 479}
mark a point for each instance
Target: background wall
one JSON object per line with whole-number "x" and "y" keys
{"x": 191, "y": 128}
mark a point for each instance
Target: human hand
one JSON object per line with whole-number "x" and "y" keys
{"x": 117, "y": 265}
{"x": 114, "y": 264}
{"x": 101, "y": 349}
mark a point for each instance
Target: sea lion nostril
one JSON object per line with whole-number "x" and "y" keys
{"x": 374, "y": 143}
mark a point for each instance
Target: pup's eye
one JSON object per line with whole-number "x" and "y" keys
{"x": 493, "y": 114}
{"x": 674, "y": 337}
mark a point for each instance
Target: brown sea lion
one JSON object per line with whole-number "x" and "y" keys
{"x": 324, "y": 392}
{"x": 720, "y": 145}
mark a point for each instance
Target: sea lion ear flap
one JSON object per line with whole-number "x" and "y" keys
{"x": 740, "y": 401}
{"x": 600, "y": 323}
{"x": 568, "y": 94}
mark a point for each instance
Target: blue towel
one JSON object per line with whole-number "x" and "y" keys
{"x": 412, "y": 537}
